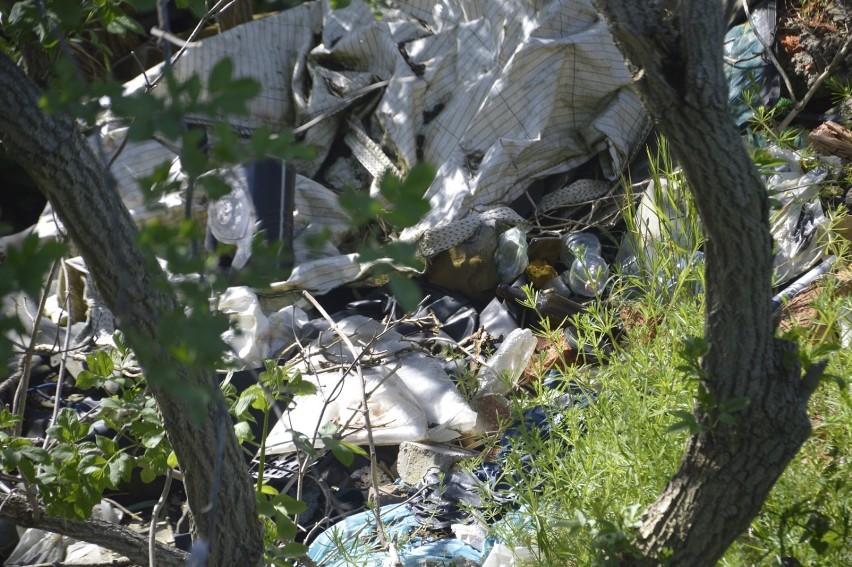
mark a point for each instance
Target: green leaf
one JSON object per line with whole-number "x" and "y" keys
{"x": 86, "y": 380}
{"x": 214, "y": 186}
{"x": 687, "y": 421}
{"x": 67, "y": 429}
{"x": 8, "y": 419}
{"x": 339, "y": 4}
{"x": 289, "y": 505}
{"x": 285, "y": 527}
{"x": 33, "y": 453}
{"x": 292, "y": 550}
{"x": 27, "y": 470}
{"x": 172, "y": 460}
{"x": 106, "y": 445}
{"x": 361, "y": 207}
{"x": 153, "y": 439}
{"x": 220, "y": 75}
{"x": 340, "y": 452}
{"x": 100, "y": 362}
{"x": 69, "y": 12}
{"x": 120, "y": 469}
{"x": 122, "y": 24}
{"x": 406, "y": 292}
{"x": 242, "y": 429}
{"x": 734, "y": 405}
{"x": 298, "y": 386}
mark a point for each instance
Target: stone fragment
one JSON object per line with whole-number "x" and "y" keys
{"x": 416, "y": 460}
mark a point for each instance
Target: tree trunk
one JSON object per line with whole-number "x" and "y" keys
{"x": 726, "y": 471}
{"x": 56, "y": 156}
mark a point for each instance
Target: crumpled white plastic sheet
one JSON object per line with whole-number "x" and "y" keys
{"x": 410, "y": 396}
{"x": 255, "y": 336}
{"x": 495, "y": 94}
{"x": 797, "y": 220}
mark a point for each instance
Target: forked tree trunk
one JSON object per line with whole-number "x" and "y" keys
{"x": 54, "y": 153}
{"x": 726, "y": 471}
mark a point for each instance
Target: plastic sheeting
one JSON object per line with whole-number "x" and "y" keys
{"x": 353, "y": 541}
{"x": 496, "y": 94}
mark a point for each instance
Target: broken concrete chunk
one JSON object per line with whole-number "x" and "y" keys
{"x": 416, "y": 460}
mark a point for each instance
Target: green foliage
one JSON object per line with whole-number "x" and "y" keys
{"x": 71, "y": 476}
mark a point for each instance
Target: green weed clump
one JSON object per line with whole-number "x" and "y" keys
{"x": 589, "y": 481}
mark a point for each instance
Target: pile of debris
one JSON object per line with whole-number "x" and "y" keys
{"x": 529, "y": 116}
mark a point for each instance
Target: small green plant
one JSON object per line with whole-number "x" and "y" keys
{"x": 840, "y": 89}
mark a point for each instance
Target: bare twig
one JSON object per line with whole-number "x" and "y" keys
{"x": 173, "y": 39}
{"x": 155, "y": 515}
{"x": 57, "y": 398}
{"x": 817, "y": 84}
{"x": 20, "y": 401}
{"x": 373, "y": 466}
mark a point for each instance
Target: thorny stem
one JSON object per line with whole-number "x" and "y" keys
{"x": 374, "y": 477}
{"x": 20, "y": 402}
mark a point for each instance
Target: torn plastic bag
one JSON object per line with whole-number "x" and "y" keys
{"x": 256, "y": 336}
{"x": 433, "y": 98}
{"x": 231, "y": 218}
{"x": 505, "y": 366}
{"x": 453, "y": 314}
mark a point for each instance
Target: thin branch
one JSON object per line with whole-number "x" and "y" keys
{"x": 373, "y": 466}
{"x": 20, "y": 401}
{"x": 172, "y": 38}
{"x": 155, "y": 515}
{"x": 57, "y": 399}
{"x": 817, "y": 84}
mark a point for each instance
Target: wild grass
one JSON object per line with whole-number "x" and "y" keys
{"x": 591, "y": 479}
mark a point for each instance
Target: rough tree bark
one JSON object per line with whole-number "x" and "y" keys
{"x": 56, "y": 156}
{"x": 726, "y": 472}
